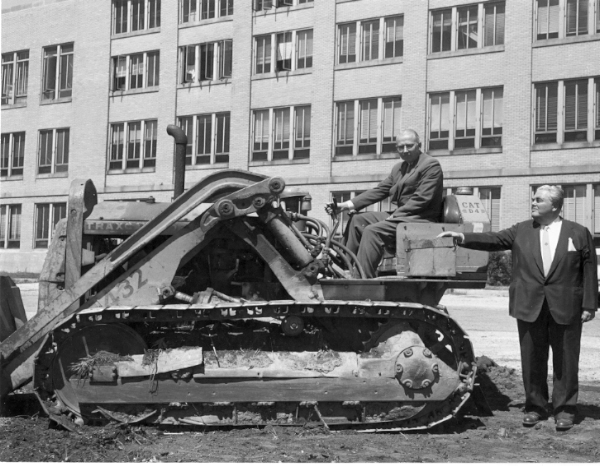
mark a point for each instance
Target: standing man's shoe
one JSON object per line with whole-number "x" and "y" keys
{"x": 531, "y": 418}
{"x": 564, "y": 421}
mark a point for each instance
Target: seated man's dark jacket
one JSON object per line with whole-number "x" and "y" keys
{"x": 572, "y": 282}
{"x": 417, "y": 195}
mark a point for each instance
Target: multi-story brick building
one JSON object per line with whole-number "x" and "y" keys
{"x": 506, "y": 94}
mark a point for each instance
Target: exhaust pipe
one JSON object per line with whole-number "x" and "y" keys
{"x": 180, "y": 143}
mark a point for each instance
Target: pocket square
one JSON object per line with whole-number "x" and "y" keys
{"x": 571, "y": 247}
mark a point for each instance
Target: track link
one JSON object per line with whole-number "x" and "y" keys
{"x": 442, "y": 335}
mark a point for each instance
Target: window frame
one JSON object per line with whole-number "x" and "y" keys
{"x": 10, "y": 226}
{"x": 55, "y": 158}
{"x": 354, "y": 146}
{"x": 218, "y": 64}
{"x": 125, "y": 9}
{"x": 195, "y": 158}
{"x": 123, "y": 146}
{"x": 589, "y": 26}
{"x": 149, "y": 80}
{"x": 451, "y": 44}
{"x": 221, "y": 9}
{"x": 14, "y": 87}
{"x": 350, "y": 36}
{"x": 58, "y": 93}
{"x": 55, "y": 211}
{"x": 269, "y": 62}
{"x": 448, "y": 142}
{"x": 294, "y": 150}
{"x": 14, "y": 165}
{"x": 267, "y": 5}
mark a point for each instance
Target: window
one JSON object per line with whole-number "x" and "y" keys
{"x": 379, "y": 121}
{"x": 262, "y": 5}
{"x": 566, "y": 18}
{"x": 206, "y": 62}
{"x": 292, "y": 50}
{"x": 491, "y": 124}
{"x": 136, "y": 71}
{"x": 15, "y": 72}
{"x": 394, "y": 37}
{"x": 490, "y": 198}
{"x": 565, "y": 110}
{"x": 464, "y": 120}
{"x": 372, "y": 43}
{"x": 133, "y": 145}
{"x": 281, "y": 133}
{"x": 208, "y": 9}
{"x": 13, "y": 154}
{"x": 58, "y": 72}
{"x": 370, "y": 40}
{"x": 135, "y": 15}
{"x": 576, "y": 98}
{"x": 475, "y": 119}
{"x": 46, "y": 218}
{"x": 596, "y": 117}
{"x": 53, "y": 151}
{"x": 10, "y": 226}
{"x": 467, "y": 27}
{"x": 208, "y": 138}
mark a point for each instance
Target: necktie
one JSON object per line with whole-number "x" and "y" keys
{"x": 546, "y": 254}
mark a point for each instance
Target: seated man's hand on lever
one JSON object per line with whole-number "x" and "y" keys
{"x": 458, "y": 237}
{"x": 333, "y": 208}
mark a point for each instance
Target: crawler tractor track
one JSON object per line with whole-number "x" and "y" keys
{"x": 392, "y": 367}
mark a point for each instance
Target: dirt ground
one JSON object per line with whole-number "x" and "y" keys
{"x": 26, "y": 436}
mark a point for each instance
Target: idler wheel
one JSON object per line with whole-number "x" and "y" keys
{"x": 416, "y": 368}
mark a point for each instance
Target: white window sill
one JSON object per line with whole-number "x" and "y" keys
{"x": 201, "y": 84}
{"x": 565, "y": 145}
{"x": 354, "y": 158}
{"x": 466, "y": 52}
{"x": 283, "y": 9}
{"x": 57, "y": 101}
{"x": 9, "y": 106}
{"x": 566, "y": 40}
{"x": 143, "y": 32}
{"x": 281, "y": 74}
{"x": 203, "y": 22}
{"x": 262, "y": 163}
{"x": 130, "y": 171}
{"x": 144, "y": 90}
{"x": 366, "y": 64}
{"x": 465, "y": 151}
{"x": 53, "y": 175}
{"x": 12, "y": 178}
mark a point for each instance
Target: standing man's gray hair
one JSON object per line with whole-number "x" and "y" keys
{"x": 556, "y": 193}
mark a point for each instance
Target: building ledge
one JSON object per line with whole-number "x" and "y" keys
{"x": 131, "y": 171}
{"x": 566, "y": 40}
{"x": 204, "y": 22}
{"x": 201, "y": 84}
{"x": 368, "y": 64}
{"x": 11, "y": 106}
{"x": 278, "y": 162}
{"x": 565, "y": 145}
{"x": 466, "y": 52}
{"x": 281, "y": 74}
{"x": 282, "y": 10}
{"x": 144, "y": 90}
{"x": 52, "y": 175}
{"x": 11, "y": 178}
{"x": 354, "y": 158}
{"x": 207, "y": 166}
{"x": 465, "y": 151}
{"x": 64, "y": 100}
{"x": 143, "y": 32}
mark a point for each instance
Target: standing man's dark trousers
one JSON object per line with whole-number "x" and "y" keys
{"x": 565, "y": 341}
{"x": 368, "y": 234}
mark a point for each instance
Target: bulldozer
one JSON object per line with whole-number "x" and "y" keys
{"x": 231, "y": 306}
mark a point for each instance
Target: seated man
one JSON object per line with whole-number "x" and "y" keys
{"x": 415, "y": 185}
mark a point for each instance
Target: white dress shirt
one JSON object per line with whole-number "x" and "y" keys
{"x": 553, "y": 233}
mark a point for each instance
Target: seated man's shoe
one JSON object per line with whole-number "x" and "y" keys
{"x": 564, "y": 421}
{"x": 531, "y": 418}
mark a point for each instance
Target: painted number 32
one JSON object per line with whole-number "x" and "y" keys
{"x": 127, "y": 288}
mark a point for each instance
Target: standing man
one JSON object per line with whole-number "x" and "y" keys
{"x": 415, "y": 185}
{"x": 553, "y": 291}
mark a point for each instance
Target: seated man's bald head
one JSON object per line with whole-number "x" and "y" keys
{"x": 409, "y": 134}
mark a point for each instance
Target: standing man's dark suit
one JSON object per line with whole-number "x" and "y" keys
{"x": 549, "y": 308}
{"x": 416, "y": 189}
